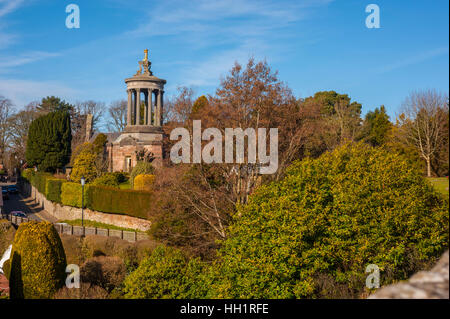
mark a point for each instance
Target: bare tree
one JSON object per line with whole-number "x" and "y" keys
{"x": 117, "y": 112}
{"x": 423, "y": 123}
{"x": 19, "y": 125}
{"x": 5, "y": 113}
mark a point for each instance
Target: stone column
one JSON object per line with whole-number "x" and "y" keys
{"x": 158, "y": 104}
{"x": 149, "y": 113}
{"x": 138, "y": 106}
{"x": 145, "y": 106}
{"x": 129, "y": 108}
{"x": 159, "y": 108}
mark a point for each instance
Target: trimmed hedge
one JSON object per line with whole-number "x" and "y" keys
{"x": 96, "y": 197}
{"x": 71, "y": 194}
{"x": 119, "y": 201}
{"x": 38, "y": 261}
{"x": 53, "y": 189}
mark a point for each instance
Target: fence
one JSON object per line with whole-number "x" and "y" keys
{"x": 83, "y": 231}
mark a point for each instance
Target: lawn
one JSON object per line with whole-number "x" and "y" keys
{"x": 440, "y": 184}
{"x": 90, "y": 223}
{"x": 125, "y": 185}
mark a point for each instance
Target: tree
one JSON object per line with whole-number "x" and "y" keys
{"x": 49, "y": 141}
{"x": 312, "y": 234}
{"x": 423, "y": 123}
{"x": 19, "y": 126}
{"x": 79, "y": 115}
{"x": 53, "y": 103}
{"x": 38, "y": 261}
{"x": 89, "y": 160}
{"x": 340, "y": 120}
{"x": 5, "y": 113}
{"x": 376, "y": 127}
{"x": 117, "y": 116}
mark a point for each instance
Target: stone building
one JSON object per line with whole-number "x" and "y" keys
{"x": 143, "y": 131}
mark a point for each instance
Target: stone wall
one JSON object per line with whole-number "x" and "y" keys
{"x": 71, "y": 213}
{"x": 431, "y": 284}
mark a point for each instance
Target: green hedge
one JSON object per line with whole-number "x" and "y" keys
{"x": 96, "y": 197}
{"x": 119, "y": 201}
{"x": 53, "y": 189}
{"x": 71, "y": 194}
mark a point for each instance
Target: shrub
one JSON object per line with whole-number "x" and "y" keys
{"x": 144, "y": 182}
{"x": 71, "y": 194}
{"x": 39, "y": 180}
{"x": 86, "y": 291}
{"x": 141, "y": 167}
{"x": 334, "y": 215}
{"x": 117, "y": 201}
{"x": 38, "y": 261}
{"x": 106, "y": 272}
{"x": 7, "y": 232}
{"x": 84, "y": 166}
{"x": 110, "y": 179}
{"x": 167, "y": 273}
{"x": 27, "y": 174}
{"x": 53, "y": 189}
{"x": 7, "y": 268}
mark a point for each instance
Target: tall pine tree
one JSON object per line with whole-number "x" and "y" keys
{"x": 49, "y": 140}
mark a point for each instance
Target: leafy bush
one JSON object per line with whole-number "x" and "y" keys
{"x": 38, "y": 261}
{"x": 84, "y": 166}
{"x": 53, "y": 189}
{"x": 144, "y": 182}
{"x": 71, "y": 194}
{"x": 110, "y": 179}
{"x": 103, "y": 271}
{"x": 141, "y": 167}
{"x": 7, "y": 232}
{"x": 333, "y": 216}
{"x": 117, "y": 201}
{"x": 39, "y": 180}
{"x": 167, "y": 273}
{"x": 86, "y": 291}
{"x": 27, "y": 174}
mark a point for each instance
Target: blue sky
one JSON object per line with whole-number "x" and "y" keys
{"x": 314, "y": 44}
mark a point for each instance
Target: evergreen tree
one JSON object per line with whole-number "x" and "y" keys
{"x": 376, "y": 127}
{"x": 49, "y": 140}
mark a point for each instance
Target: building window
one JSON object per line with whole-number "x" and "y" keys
{"x": 128, "y": 164}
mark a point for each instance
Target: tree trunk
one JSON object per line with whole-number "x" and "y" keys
{"x": 428, "y": 167}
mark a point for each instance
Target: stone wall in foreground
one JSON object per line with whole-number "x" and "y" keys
{"x": 431, "y": 284}
{"x": 71, "y": 213}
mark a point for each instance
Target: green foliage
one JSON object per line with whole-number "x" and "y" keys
{"x": 53, "y": 189}
{"x": 38, "y": 261}
{"x": 113, "y": 179}
{"x": 53, "y": 103}
{"x": 39, "y": 180}
{"x": 167, "y": 274}
{"x": 118, "y": 201}
{"x": 141, "y": 167}
{"x": 49, "y": 141}
{"x": 376, "y": 127}
{"x": 144, "y": 182}
{"x": 71, "y": 194}
{"x": 200, "y": 104}
{"x": 84, "y": 166}
{"x": 333, "y": 216}
{"x": 7, "y": 232}
{"x": 27, "y": 174}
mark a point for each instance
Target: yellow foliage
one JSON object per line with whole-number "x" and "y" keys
{"x": 144, "y": 182}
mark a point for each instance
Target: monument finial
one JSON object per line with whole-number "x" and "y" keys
{"x": 146, "y": 55}
{"x": 144, "y": 65}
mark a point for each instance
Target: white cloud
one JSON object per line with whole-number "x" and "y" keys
{"x": 8, "y": 6}
{"x": 10, "y": 62}
{"x": 21, "y": 92}
{"x": 413, "y": 60}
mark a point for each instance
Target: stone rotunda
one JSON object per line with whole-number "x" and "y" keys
{"x": 144, "y": 119}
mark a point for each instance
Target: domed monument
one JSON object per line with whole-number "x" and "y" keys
{"x": 143, "y": 131}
